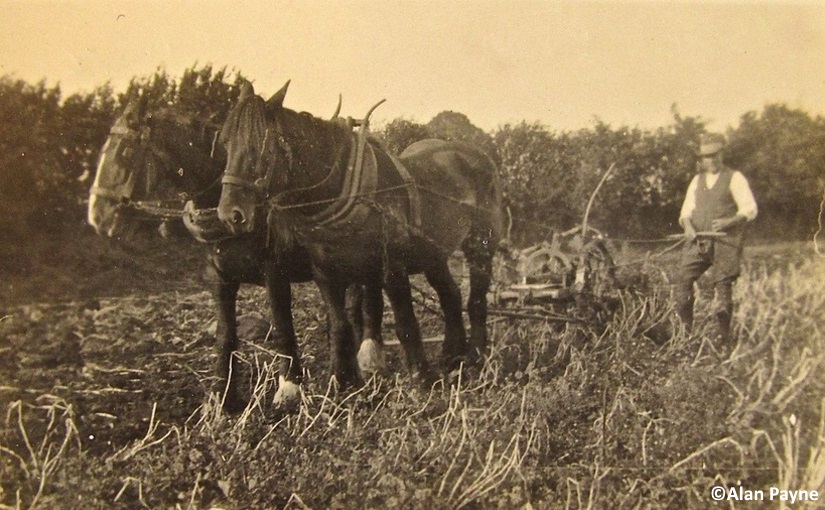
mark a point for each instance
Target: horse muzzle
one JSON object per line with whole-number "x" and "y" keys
{"x": 236, "y": 219}
{"x": 236, "y": 209}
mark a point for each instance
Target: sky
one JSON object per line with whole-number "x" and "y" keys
{"x": 563, "y": 64}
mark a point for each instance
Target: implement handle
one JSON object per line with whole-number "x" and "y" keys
{"x": 698, "y": 234}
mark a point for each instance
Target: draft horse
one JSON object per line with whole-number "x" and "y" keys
{"x": 153, "y": 162}
{"x": 374, "y": 223}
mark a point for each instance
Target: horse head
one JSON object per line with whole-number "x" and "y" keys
{"x": 114, "y": 181}
{"x": 148, "y": 158}
{"x": 275, "y": 153}
{"x": 252, "y": 143}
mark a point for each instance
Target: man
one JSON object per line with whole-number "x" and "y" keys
{"x": 718, "y": 200}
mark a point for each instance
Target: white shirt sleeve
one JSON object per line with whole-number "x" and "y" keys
{"x": 742, "y": 195}
{"x": 689, "y": 205}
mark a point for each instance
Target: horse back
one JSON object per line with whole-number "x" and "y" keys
{"x": 464, "y": 172}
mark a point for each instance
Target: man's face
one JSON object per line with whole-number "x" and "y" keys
{"x": 711, "y": 163}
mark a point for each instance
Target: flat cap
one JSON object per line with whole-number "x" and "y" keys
{"x": 711, "y": 143}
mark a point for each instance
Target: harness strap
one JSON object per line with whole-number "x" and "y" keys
{"x": 360, "y": 180}
{"x": 361, "y": 141}
{"x": 107, "y": 193}
{"x": 123, "y": 193}
{"x": 412, "y": 191}
{"x": 255, "y": 187}
{"x": 124, "y": 131}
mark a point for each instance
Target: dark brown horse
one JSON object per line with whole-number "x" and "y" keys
{"x": 375, "y": 223}
{"x": 150, "y": 164}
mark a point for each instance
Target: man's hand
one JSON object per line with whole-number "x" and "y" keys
{"x": 722, "y": 224}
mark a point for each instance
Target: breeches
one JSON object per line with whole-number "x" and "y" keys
{"x": 697, "y": 258}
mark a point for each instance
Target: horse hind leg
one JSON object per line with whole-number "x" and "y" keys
{"x": 455, "y": 348}
{"x": 397, "y": 286}
{"x": 479, "y": 251}
{"x": 341, "y": 336}
{"x": 354, "y": 304}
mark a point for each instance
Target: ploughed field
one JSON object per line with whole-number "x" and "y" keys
{"x": 104, "y": 394}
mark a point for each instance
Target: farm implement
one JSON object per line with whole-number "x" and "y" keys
{"x": 568, "y": 277}
{"x": 572, "y": 263}
{"x": 574, "y": 266}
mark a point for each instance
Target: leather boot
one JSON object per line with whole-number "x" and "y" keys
{"x": 724, "y": 313}
{"x": 683, "y": 297}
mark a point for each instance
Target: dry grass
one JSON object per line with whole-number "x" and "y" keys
{"x": 575, "y": 416}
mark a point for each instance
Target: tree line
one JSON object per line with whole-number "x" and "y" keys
{"x": 49, "y": 147}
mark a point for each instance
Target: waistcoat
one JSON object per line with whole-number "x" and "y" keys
{"x": 713, "y": 203}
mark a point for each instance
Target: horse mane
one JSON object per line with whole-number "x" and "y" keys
{"x": 306, "y": 135}
{"x": 184, "y": 139}
{"x": 176, "y": 118}
{"x": 311, "y": 135}
{"x": 246, "y": 123}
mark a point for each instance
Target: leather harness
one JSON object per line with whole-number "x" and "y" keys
{"x": 359, "y": 188}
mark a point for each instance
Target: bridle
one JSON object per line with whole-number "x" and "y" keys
{"x": 123, "y": 193}
{"x": 260, "y": 187}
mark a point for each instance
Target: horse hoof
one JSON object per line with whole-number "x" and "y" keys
{"x": 233, "y": 405}
{"x": 227, "y": 403}
{"x": 461, "y": 373}
{"x": 371, "y": 358}
{"x": 288, "y": 394}
{"x": 455, "y": 376}
{"x": 425, "y": 379}
{"x": 228, "y": 397}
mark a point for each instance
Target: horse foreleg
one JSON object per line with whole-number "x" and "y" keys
{"x": 354, "y": 305}
{"x": 371, "y": 358}
{"x": 449, "y": 295}
{"x": 397, "y": 285}
{"x": 226, "y": 337}
{"x": 283, "y": 336}
{"x": 341, "y": 337}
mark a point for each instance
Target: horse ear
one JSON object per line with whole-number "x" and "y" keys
{"x": 131, "y": 106}
{"x": 142, "y": 105}
{"x": 277, "y": 99}
{"x": 136, "y": 107}
{"x": 246, "y": 90}
{"x": 338, "y": 109}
